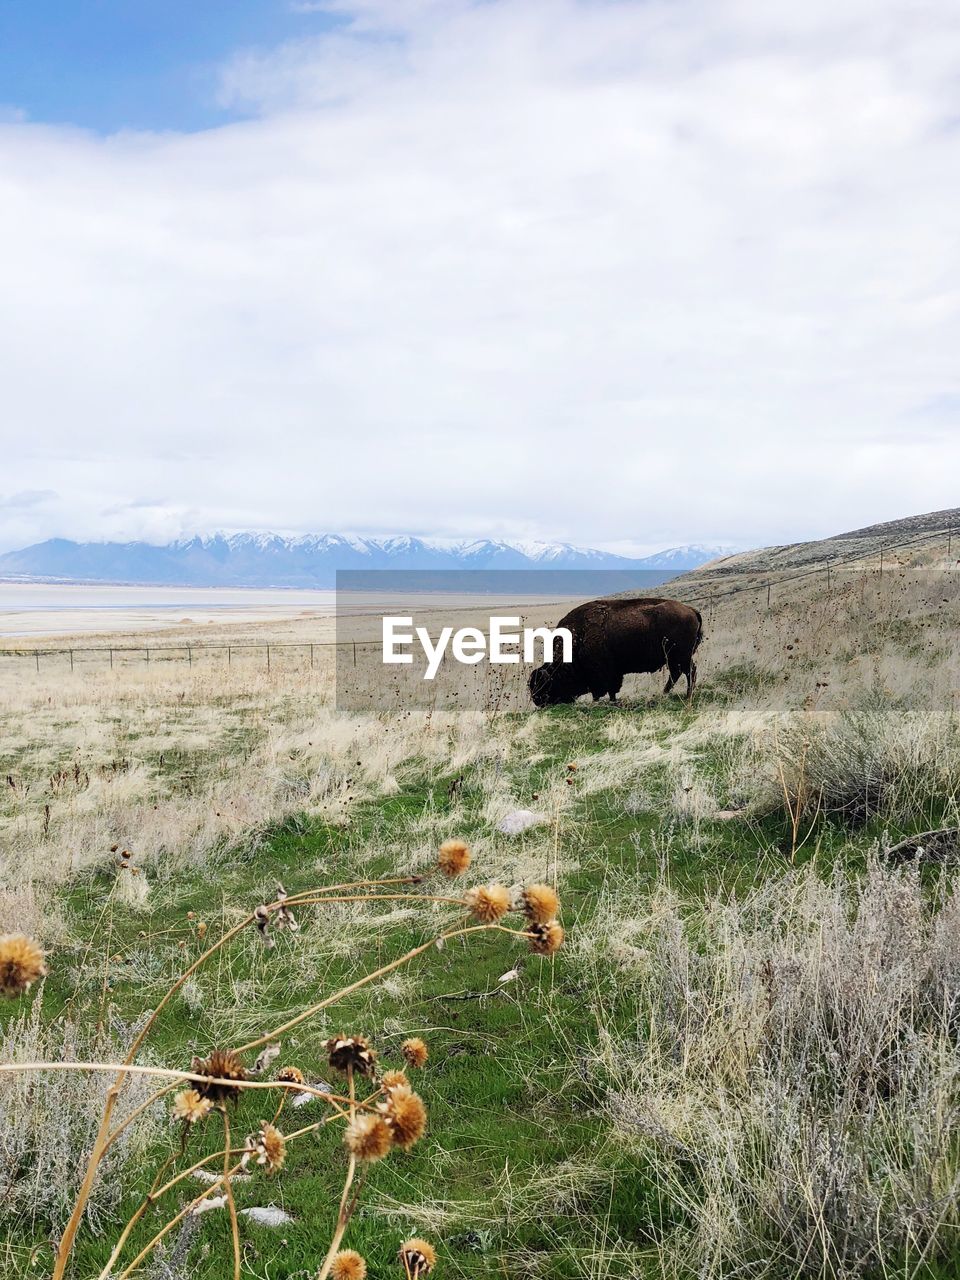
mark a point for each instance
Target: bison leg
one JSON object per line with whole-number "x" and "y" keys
{"x": 691, "y": 679}
{"x": 675, "y": 674}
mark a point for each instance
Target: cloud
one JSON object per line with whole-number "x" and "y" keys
{"x": 626, "y": 269}
{"x": 26, "y": 499}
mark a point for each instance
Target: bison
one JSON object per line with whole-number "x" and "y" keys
{"x": 614, "y": 637}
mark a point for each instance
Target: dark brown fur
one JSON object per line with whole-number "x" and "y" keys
{"x": 612, "y": 638}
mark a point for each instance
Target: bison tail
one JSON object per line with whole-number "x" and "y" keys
{"x": 696, "y": 643}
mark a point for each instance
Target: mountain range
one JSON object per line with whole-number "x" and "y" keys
{"x": 311, "y": 560}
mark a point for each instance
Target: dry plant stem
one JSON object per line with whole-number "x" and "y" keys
{"x": 99, "y": 1144}
{"x": 295, "y": 899}
{"x": 115, "y": 1133}
{"x": 228, "y": 1188}
{"x": 381, "y": 897}
{"x": 343, "y": 1213}
{"x": 100, "y": 1141}
{"x": 460, "y": 932}
{"x": 159, "y": 1192}
{"x": 333, "y": 1099}
{"x": 168, "y": 1227}
{"x": 152, "y": 1197}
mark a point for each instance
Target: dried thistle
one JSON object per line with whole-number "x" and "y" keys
{"x": 291, "y": 1075}
{"x": 406, "y": 1115}
{"x": 454, "y": 857}
{"x": 284, "y": 917}
{"x": 346, "y": 1052}
{"x": 489, "y": 902}
{"x": 348, "y": 1265}
{"x": 223, "y": 1064}
{"x": 190, "y": 1107}
{"x": 540, "y": 903}
{"x": 394, "y": 1080}
{"x": 418, "y": 1257}
{"x": 415, "y": 1051}
{"x": 269, "y": 1148}
{"x": 368, "y": 1137}
{"x": 22, "y": 963}
{"x": 261, "y": 918}
{"x": 546, "y": 938}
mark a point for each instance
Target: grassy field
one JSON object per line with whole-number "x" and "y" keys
{"x": 743, "y": 1061}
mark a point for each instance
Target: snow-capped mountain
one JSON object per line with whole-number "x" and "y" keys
{"x": 310, "y": 560}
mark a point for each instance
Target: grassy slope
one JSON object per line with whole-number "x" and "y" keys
{"x": 516, "y": 1176}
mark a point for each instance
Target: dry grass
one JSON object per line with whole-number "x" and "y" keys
{"x": 49, "y": 1122}
{"x": 176, "y": 763}
{"x": 794, "y": 1078}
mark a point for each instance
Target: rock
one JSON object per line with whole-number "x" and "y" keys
{"x": 268, "y": 1216}
{"x": 519, "y": 820}
{"x": 301, "y": 1099}
{"x": 211, "y": 1202}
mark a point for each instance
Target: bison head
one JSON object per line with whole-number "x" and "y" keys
{"x": 552, "y": 684}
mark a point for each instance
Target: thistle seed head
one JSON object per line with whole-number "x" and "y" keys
{"x": 418, "y": 1257}
{"x": 190, "y": 1107}
{"x": 269, "y": 1147}
{"x": 489, "y": 902}
{"x": 368, "y": 1136}
{"x": 225, "y": 1065}
{"x": 22, "y": 963}
{"x": 348, "y": 1265}
{"x": 346, "y": 1052}
{"x": 415, "y": 1051}
{"x": 454, "y": 857}
{"x": 546, "y": 938}
{"x": 540, "y": 903}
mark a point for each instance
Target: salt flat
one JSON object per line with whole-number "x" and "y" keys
{"x": 31, "y": 609}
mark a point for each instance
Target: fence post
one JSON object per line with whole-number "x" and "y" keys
{"x": 147, "y": 652}
{"x": 229, "y": 656}
{"x": 268, "y": 657}
{"x": 768, "y": 595}
{"x": 111, "y": 659}
{"x": 189, "y": 656}
{"x": 354, "y": 653}
{"x": 881, "y": 562}
{"x": 36, "y": 654}
{"x": 71, "y": 659}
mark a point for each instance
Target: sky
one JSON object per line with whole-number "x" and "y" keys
{"x": 627, "y": 273}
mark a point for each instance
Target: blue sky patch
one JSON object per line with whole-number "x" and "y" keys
{"x": 133, "y": 64}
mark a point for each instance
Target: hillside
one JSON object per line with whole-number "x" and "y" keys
{"x": 922, "y": 541}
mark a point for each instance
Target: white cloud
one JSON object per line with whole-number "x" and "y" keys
{"x": 644, "y": 270}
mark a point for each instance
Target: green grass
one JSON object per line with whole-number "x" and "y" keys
{"x": 516, "y": 1175}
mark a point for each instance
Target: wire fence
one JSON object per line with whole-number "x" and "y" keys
{"x": 270, "y": 654}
